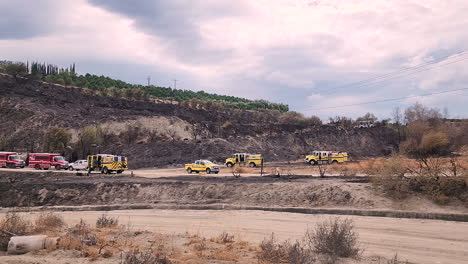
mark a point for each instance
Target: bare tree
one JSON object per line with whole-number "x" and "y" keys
{"x": 322, "y": 169}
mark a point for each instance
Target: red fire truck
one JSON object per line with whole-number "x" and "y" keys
{"x": 11, "y": 160}
{"x": 46, "y": 161}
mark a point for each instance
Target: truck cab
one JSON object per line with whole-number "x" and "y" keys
{"x": 46, "y": 161}
{"x": 252, "y": 159}
{"x": 11, "y": 160}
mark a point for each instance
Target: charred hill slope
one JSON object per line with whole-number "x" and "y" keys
{"x": 166, "y": 133}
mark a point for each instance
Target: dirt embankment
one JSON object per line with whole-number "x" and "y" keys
{"x": 163, "y": 133}
{"x": 28, "y": 189}
{"x": 51, "y": 188}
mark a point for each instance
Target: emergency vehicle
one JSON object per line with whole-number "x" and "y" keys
{"x": 107, "y": 163}
{"x": 326, "y": 157}
{"x": 253, "y": 160}
{"x": 11, "y": 160}
{"x": 46, "y": 161}
{"x": 202, "y": 166}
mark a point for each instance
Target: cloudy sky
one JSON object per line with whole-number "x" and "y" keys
{"x": 310, "y": 54}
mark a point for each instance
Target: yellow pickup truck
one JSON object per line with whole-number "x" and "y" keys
{"x": 202, "y": 166}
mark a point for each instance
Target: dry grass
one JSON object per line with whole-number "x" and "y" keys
{"x": 148, "y": 256}
{"x": 225, "y": 253}
{"x": 272, "y": 251}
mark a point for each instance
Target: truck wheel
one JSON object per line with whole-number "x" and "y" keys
{"x": 229, "y": 164}
{"x": 189, "y": 170}
{"x": 335, "y": 162}
{"x": 208, "y": 171}
{"x": 105, "y": 170}
{"x": 57, "y": 167}
{"x": 216, "y": 172}
{"x": 312, "y": 162}
{"x": 37, "y": 167}
{"x": 252, "y": 165}
{"x": 119, "y": 171}
{"x": 70, "y": 168}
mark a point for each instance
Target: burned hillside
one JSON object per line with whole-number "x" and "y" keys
{"x": 156, "y": 133}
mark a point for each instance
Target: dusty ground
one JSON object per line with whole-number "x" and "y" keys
{"x": 418, "y": 241}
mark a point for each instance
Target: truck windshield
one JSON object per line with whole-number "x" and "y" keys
{"x": 58, "y": 158}
{"x": 14, "y": 157}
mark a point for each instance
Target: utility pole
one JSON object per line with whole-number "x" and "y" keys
{"x": 149, "y": 80}
{"x": 175, "y": 84}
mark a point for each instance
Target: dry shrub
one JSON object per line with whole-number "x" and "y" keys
{"x": 105, "y": 221}
{"x": 144, "y": 257}
{"x": 226, "y": 238}
{"x": 239, "y": 169}
{"x": 440, "y": 189}
{"x": 395, "y": 260}
{"x": 48, "y": 222}
{"x": 78, "y": 237}
{"x": 12, "y": 224}
{"x": 395, "y": 187}
{"x": 272, "y": 251}
{"x": 335, "y": 238}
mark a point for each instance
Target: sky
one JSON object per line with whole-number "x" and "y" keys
{"x": 313, "y": 55}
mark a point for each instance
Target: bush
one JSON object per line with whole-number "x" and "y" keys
{"x": 48, "y": 221}
{"x": 335, "y": 238}
{"x": 106, "y": 221}
{"x": 12, "y": 224}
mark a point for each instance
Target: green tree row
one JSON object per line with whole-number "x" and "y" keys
{"x": 67, "y": 76}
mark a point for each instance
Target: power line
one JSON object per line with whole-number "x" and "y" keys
{"x": 387, "y": 76}
{"x": 388, "y": 100}
{"x": 404, "y": 75}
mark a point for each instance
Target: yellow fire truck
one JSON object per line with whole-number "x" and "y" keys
{"x": 326, "y": 157}
{"x": 253, "y": 160}
{"x": 106, "y": 163}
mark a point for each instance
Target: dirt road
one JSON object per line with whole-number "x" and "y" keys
{"x": 148, "y": 173}
{"x": 418, "y": 241}
{"x": 296, "y": 168}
